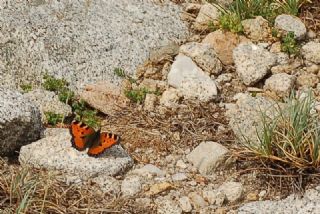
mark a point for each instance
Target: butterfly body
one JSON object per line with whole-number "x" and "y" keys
{"x": 84, "y": 137}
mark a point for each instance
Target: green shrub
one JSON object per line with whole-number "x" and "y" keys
{"x": 289, "y": 44}
{"x": 119, "y": 72}
{"x": 231, "y": 22}
{"x": 66, "y": 95}
{"x": 137, "y": 95}
{"x": 291, "y": 140}
{"x": 53, "y": 118}
{"x": 60, "y": 87}
{"x": 26, "y": 88}
{"x": 86, "y": 115}
{"x": 53, "y": 84}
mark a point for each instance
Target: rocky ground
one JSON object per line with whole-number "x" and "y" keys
{"x": 203, "y": 92}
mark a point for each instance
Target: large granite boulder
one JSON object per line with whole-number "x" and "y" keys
{"x": 20, "y": 121}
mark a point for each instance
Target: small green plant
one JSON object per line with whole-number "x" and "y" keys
{"x": 137, "y": 95}
{"x": 291, "y": 139}
{"x": 66, "y": 95}
{"x": 86, "y": 115}
{"x": 53, "y": 84}
{"x": 289, "y": 44}
{"x": 120, "y": 72}
{"x": 60, "y": 87}
{"x": 26, "y": 88}
{"x": 231, "y": 22}
{"x": 54, "y": 118}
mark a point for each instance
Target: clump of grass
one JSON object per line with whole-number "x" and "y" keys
{"x": 289, "y": 44}
{"x": 54, "y": 118}
{"x": 240, "y": 10}
{"x": 291, "y": 6}
{"x": 86, "y": 115}
{"x": 26, "y": 88}
{"x": 27, "y": 190}
{"x": 291, "y": 140}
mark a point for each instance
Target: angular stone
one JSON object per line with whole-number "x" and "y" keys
{"x": 207, "y": 13}
{"x": 290, "y": 23}
{"x": 197, "y": 201}
{"x": 307, "y": 80}
{"x": 48, "y": 101}
{"x": 223, "y": 43}
{"x": 185, "y": 204}
{"x": 233, "y": 190}
{"x": 252, "y": 62}
{"x": 131, "y": 185}
{"x": 170, "y": 98}
{"x": 281, "y": 84}
{"x": 20, "y": 121}
{"x": 256, "y": 29}
{"x": 311, "y": 52}
{"x": 207, "y": 156}
{"x": 203, "y": 55}
{"x": 105, "y": 96}
{"x": 190, "y": 80}
{"x": 245, "y": 116}
{"x": 167, "y": 206}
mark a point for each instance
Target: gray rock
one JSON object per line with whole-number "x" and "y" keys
{"x": 150, "y": 102}
{"x": 131, "y": 185}
{"x": 307, "y": 80}
{"x": 108, "y": 184}
{"x": 245, "y": 116}
{"x": 290, "y": 23}
{"x": 179, "y": 177}
{"x": 190, "y": 80}
{"x": 203, "y": 55}
{"x": 167, "y": 206}
{"x": 149, "y": 169}
{"x": 181, "y": 164}
{"x": 207, "y": 156}
{"x": 20, "y": 121}
{"x": 48, "y": 101}
{"x": 105, "y": 96}
{"x": 57, "y": 153}
{"x": 214, "y": 197}
{"x": 256, "y": 29}
{"x": 185, "y": 204}
{"x": 197, "y": 201}
{"x": 170, "y": 98}
{"x": 309, "y": 203}
{"x": 311, "y": 52}
{"x": 233, "y": 190}
{"x": 281, "y": 84}
{"x": 223, "y": 43}
{"x": 82, "y": 41}
{"x": 207, "y": 13}
{"x": 252, "y": 62}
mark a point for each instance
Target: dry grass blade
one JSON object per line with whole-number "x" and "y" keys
{"x": 29, "y": 191}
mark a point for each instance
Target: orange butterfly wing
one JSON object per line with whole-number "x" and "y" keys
{"x": 79, "y": 132}
{"x": 107, "y": 140}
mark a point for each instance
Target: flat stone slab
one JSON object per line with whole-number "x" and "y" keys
{"x": 56, "y": 153}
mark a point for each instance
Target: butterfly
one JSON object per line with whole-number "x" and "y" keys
{"x": 84, "y": 137}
